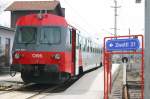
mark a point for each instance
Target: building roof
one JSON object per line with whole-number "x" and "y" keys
{"x": 7, "y": 28}
{"x": 32, "y": 5}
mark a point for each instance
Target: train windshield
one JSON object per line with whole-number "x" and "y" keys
{"x": 27, "y": 34}
{"x": 50, "y": 35}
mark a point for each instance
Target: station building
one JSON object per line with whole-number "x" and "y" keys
{"x": 22, "y": 8}
{"x": 6, "y": 43}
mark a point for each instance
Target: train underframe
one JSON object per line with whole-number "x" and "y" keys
{"x": 44, "y": 74}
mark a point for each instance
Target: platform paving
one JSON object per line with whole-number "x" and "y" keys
{"x": 90, "y": 86}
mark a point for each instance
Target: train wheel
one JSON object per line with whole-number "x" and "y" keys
{"x": 80, "y": 70}
{"x": 25, "y": 77}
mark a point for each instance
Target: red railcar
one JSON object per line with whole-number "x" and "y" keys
{"x": 48, "y": 50}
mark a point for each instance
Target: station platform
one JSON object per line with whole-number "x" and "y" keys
{"x": 90, "y": 86}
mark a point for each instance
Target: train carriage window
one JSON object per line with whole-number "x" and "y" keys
{"x": 83, "y": 44}
{"x": 101, "y": 51}
{"x": 80, "y": 42}
{"x": 70, "y": 31}
{"x": 0, "y": 45}
{"x": 27, "y": 34}
{"x": 86, "y": 45}
{"x": 96, "y": 50}
{"x": 90, "y": 46}
{"x": 77, "y": 41}
{"x": 0, "y": 40}
{"x": 93, "y": 50}
{"x": 50, "y": 35}
{"x": 80, "y": 39}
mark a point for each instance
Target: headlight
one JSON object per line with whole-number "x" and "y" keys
{"x": 17, "y": 56}
{"x": 57, "y": 56}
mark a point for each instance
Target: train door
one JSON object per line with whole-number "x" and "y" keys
{"x": 7, "y": 51}
{"x": 73, "y": 38}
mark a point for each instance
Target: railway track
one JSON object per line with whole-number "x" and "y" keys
{"x": 134, "y": 94}
{"x": 16, "y": 89}
{"x": 132, "y": 90}
{"x": 55, "y": 89}
{"x": 10, "y": 85}
{"x": 5, "y": 89}
{"x": 34, "y": 90}
{"x": 42, "y": 91}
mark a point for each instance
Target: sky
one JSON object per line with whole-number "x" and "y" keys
{"x": 95, "y": 18}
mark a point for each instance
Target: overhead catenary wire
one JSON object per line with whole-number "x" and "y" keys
{"x": 79, "y": 16}
{"x": 91, "y": 27}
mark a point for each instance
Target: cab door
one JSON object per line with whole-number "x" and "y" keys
{"x": 73, "y": 41}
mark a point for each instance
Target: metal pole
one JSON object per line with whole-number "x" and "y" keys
{"x": 124, "y": 73}
{"x": 115, "y": 23}
{"x": 115, "y": 17}
{"x": 124, "y": 60}
{"x": 147, "y": 52}
{"x": 129, "y": 32}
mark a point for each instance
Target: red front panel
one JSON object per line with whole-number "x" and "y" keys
{"x": 46, "y": 20}
{"x": 64, "y": 62}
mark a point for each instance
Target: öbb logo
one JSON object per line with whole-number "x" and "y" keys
{"x": 37, "y": 55}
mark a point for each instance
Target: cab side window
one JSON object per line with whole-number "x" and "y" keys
{"x": 70, "y": 32}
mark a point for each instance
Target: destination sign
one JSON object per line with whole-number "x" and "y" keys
{"x": 123, "y": 44}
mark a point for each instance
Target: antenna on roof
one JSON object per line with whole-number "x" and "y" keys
{"x": 45, "y": 11}
{"x": 39, "y": 16}
{"x": 40, "y": 12}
